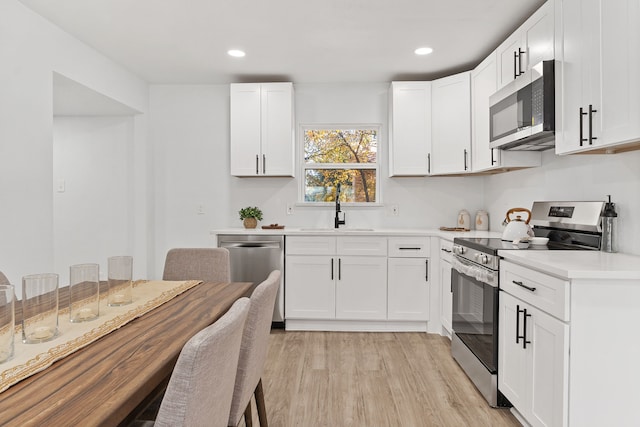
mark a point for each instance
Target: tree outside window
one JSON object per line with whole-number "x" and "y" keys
{"x": 345, "y": 155}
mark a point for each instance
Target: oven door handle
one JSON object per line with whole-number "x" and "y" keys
{"x": 469, "y": 269}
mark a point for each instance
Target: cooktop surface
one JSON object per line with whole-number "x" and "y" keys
{"x": 493, "y": 245}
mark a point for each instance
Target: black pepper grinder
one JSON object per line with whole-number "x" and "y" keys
{"x": 609, "y": 228}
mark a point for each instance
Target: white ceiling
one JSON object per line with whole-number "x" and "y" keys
{"x": 185, "y": 41}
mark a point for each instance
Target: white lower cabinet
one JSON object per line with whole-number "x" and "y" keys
{"x": 408, "y": 280}
{"x": 310, "y": 287}
{"x": 446, "y": 296}
{"x": 533, "y": 345}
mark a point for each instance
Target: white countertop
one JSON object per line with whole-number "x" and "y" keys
{"x": 579, "y": 264}
{"x": 346, "y": 231}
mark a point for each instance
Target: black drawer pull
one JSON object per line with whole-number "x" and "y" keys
{"x": 522, "y": 285}
{"x": 409, "y": 249}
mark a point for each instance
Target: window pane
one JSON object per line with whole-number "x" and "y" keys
{"x": 356, "y": 185}
{"x": 340, "y": 146}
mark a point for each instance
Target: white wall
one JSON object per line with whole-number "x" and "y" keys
{"x": 576, "y": 177}
{"x": 92, "y": 216}
{"x": 190, "y": 132}
{"x": 31, "y": 49}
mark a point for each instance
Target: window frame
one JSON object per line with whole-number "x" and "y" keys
{"x": 303, "y": 166}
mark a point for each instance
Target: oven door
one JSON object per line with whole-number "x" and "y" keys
{"x": 475, "y": 310}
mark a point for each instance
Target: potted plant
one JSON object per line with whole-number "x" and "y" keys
{"x": 250, "y": 216}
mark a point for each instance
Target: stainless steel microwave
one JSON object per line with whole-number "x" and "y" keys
{"x": 522, "y": 114}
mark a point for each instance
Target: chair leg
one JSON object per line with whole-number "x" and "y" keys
{"x": 262, "y": 410}
{"x": 248, "y": 418}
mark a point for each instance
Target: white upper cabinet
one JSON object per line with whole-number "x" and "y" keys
{"x": 451, "y": 125}
{"x": 409, "y": 128}
{"x": 597, "y": 83}
{"x": 484, "y": 83}
{"x": 262, "y": 129}
{"x": 527, "y": 46}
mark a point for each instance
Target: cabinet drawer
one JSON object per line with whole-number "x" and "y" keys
{"x": 310, "y": 245}
{"x": 362, "y": 245}
{"x": 446, "y": 249}
{"x": 409, "y": 247}
{"x": 545, "y": 292}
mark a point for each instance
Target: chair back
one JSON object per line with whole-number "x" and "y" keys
{"x": 207, "y": 264}
{"x": 255, "y": 340}
{"x": 3, "y": 279}
{"x": 201, "y": 386}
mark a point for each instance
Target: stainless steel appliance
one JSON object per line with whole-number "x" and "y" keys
{"x": 522, "y": 114}
{"x": 476, "y": 288}
{"x": 253, "y": 257}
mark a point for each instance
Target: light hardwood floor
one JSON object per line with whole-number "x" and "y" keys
{"x": 370, "y": 379}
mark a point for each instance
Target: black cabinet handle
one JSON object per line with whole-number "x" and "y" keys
{"x": 445, "y": 250}
{"x": 257, "y": 166}
{"x": 429, "y": 163}
{"x": 426, "y": 270}
{"x": 465, "y": 159}
{"x": 520, "y": 52}
{"x": 522, "y": 285}
{"x": 409, "y": 249}
{"x": 339, "y": 269}
{"x": 331, "y": 268}
{"x": 493, "y": 161}
{"x": 591, "y": 111}
{"x": 515, "y": 65}
{"x": 264, "y": 163}
{"x": 518, "y": 311}
{"x": 524, "y": 329}
{"x": 582, "y": 113}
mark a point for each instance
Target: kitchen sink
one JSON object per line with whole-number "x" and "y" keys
{"x": 326, "y": 230}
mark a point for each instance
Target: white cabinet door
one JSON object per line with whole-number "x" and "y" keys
{"x": 484, "y": 158}
{"x": 262, "y": 129}
{"x": 533, "y": 354}
{"x": 451, "y": 124}
{"x": 530, "y": 44}
{"x": 245, "y": 130}
{"x": 512, "y": 360}
{"x": 548, "y": 358}
{"x": 278, "y": 149}
{"x": 446, "y": 296}
{"x": 310, "y": 287}
{"x": 361, "y": 288}
{"x": 408, "y": 289}
{"x": 409, "y": 128}
{"x": 597, "y": 87}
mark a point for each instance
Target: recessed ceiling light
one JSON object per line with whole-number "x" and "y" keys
{"x": 423, "y": 51}
{"x": 236, "y": 53}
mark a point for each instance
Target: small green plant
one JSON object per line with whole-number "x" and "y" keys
{"x": 250, "y": 212}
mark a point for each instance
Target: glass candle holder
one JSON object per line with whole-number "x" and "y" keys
{"x": 39, "y": 308}
{"x": 84, "y": 292}
{"x": 7, "y": 322}
{"x": 119, "y": 277}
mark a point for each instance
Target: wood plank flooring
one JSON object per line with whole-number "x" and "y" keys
{"x": 370, "y": 379}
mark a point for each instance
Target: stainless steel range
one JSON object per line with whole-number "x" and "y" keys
{"x": 476, "y": 288}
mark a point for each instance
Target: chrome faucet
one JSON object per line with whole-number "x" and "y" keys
{"x": 338, "y": 222}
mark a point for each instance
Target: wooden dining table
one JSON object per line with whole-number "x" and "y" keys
{"x": 111, "y": 380}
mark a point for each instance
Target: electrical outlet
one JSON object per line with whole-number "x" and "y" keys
{"x": 200, "y": 209}
{"x": 61, "y": 186}
{"x": 395, "y": 211}
{"x": 289, "y": 208}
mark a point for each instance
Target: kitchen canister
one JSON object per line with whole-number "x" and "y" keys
{"x": 482, "y": 220}
{"x": 464, "y": 220}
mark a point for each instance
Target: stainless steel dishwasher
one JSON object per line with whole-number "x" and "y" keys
{"x": 253, "y": 257}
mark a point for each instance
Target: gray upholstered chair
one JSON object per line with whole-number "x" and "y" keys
{"x": 207, "y": 264}
{"x": 201, "y": 387}
{"x": 253, "y": 353}
{"x": 3, "y": 279}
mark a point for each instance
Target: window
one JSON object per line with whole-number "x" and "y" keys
{"x": 345, "y": 155}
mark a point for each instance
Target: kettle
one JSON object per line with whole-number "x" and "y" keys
{"x": 516, "y": 228}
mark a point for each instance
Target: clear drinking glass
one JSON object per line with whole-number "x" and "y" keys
{"x": 39, "y": 307}
{"x": 120, "y": 285}
{"x": 7, "y": 322}
{"x": 84, "y": 292}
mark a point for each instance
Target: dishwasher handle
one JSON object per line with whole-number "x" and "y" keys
{"x": 252, "y": 244}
